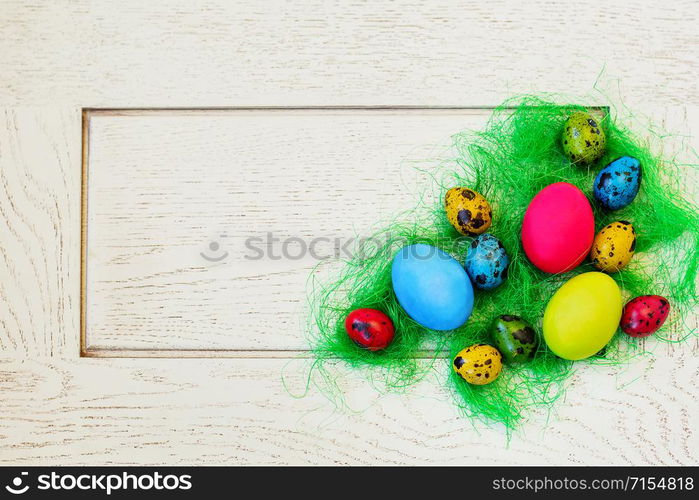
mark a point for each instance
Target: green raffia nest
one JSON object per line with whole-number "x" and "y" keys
{"x": 517, "y": 155}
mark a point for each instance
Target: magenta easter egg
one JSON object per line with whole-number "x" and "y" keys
{"x": 644, "y": 315}
{"x": 558, "y": 228}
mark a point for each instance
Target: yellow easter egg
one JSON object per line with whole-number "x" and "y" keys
{"x": 468, "y": 211}
{"x": 478, "y": 364}
{"x": 613, "y": 246}
{"x": 582, "y": 316}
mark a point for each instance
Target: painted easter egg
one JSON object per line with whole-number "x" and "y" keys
{"x": 432, "y": 287}
{"x": 478, "y": 364}
{"x": 616, "y": 185}
{"x": 486, "y": 262}
{"x": 558, "y": 228}
{"x": 515, "y": 338}
{"x": 583, "y": 138}
{"x": 644, "y": 315}
{"x": 613, "y": 247}
{"x": 582, "y": 316}
{"x": 468, "y": 211}
{"x": 369, "y": 328}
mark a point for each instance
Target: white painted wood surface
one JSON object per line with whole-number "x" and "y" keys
{"x": 59, "y": 57}
{"x": 163, "y": 186}
{"x": 319, "y": 52}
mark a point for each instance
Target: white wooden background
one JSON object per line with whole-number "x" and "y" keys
{"x": 60, "y": 57}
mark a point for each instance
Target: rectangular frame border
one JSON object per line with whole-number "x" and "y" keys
{"x": 87, "y": 112}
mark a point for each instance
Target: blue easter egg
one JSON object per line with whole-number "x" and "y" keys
{"x": 432, "y": 287}
{"x": 616, "y": 185}
{"x": 486, "y": 262}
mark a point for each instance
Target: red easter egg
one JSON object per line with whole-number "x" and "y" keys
{"x": 644, "y": 315}
{"x": 558, "y": 228}
{"x": 369, "y": 328}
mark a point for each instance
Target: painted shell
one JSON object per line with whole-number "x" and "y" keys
{"x": 613, "y": 247}
{"x": 644, "y": 315}
{"x": 432, "y": 287}
{"x": 468, "y": 211}
{"x": 478, "y": 364}
{"x": 617, "y": 184}
{"x": 582, "y": 316}
{"x": 486, "y": 262}
{"x": 558, "y": 228}
{"x": 515, "y": 338}
{"x": 583, "y": 139}
{"x": 370, "y": 329}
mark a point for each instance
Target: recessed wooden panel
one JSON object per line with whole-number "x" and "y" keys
{"x": 197, "y": 220}
{"x": 59, "y": 57}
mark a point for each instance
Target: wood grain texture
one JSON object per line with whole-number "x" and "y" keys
{"x": 217, "y": 53}
{"x": 238, "y": 412}
{"x": 39, "y": 231}
{"x": 61, "y": 56}
{"x": 277, "y": 192}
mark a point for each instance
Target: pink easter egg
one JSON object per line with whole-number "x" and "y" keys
{"x": 558, "y": 228}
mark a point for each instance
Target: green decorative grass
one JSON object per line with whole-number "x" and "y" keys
{"x": 517, "y": 155}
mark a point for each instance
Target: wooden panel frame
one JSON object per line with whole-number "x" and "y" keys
{"x": 169, "y": 353}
